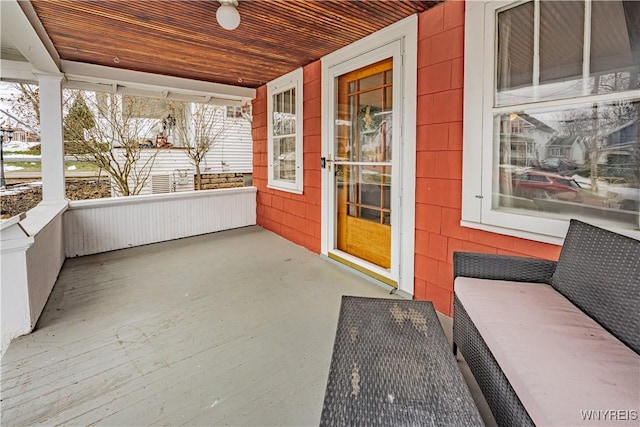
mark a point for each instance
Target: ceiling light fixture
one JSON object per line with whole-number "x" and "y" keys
{"x": 227, "y": 14}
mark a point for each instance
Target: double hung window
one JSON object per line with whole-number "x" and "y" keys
{"x": 552, "y": 93}
{"x": 284, "y": 127}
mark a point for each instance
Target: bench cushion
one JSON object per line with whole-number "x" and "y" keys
{"x": 559, "y": 361}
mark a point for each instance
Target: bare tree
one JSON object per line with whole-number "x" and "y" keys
{"x": 198, "y": 130}
{"x": 594, "y": 124}
{"x": 115, "y": 141}
{"x": 24, "y": 103}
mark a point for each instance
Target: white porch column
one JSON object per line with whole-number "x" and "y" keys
{"x": 53, "y": 185}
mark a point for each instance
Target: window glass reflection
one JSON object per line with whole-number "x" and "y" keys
{"x": 566, "y": 163}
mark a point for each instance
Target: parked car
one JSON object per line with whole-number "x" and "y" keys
{"x": 625, "y": 198}
{"x": 558, "y": 164}
{"x": 539, "y": 185}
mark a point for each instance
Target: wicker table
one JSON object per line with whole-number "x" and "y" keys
{"x": 392, "y": 365}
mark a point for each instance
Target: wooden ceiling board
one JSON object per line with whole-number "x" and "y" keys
{"x": 183, "y": 39}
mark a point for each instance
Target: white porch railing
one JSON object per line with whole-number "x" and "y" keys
{"x": 32, "y": 255}
{"x": 94, "y": 226}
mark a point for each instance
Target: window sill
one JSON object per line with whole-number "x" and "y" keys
{"x": 544, "y": 238}
{"x": 538, "y": 237}
{"x": 286, "y": 190}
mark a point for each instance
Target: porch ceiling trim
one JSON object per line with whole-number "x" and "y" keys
{"x": 20, "y": 28}
{"x": 18, "y": 71}
{"x": 99, "y": 77}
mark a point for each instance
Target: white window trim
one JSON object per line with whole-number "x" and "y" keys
{"x": 479, "y": 61}
{"x": 291, "y": 80}
{"x": 405, "y": 31}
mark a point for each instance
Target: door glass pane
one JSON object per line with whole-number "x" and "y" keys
{"x": 370, "y": 127}
{"x": 387, "y": 123}
{"x": 367, "y": 191}
{"x": 580, "y": 162}
{"x": 364, "y": 120}
{"x": 370, "y": 82}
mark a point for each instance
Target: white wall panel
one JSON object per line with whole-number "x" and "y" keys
{"x": 94, "y": 226}
{"x": 32, "y": 256}
{"x": 44, "y": 261}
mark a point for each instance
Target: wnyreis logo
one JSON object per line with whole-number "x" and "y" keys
{"x": 609, "y": 415}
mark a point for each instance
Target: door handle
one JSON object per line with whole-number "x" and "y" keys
{"x": 326, "y": 162}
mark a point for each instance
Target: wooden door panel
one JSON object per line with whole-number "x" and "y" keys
{"x": 368, "y": 241}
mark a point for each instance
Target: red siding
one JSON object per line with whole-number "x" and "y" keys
{"x": 296, "y": 217}
{"x": 439, "y": 162}
{"x": 438, "y": 158}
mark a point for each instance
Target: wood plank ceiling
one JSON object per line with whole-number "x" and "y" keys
{"x": 183, "y": 39}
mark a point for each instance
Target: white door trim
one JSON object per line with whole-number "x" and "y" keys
{"x": 390, "y": 50}
{"x": 402, "y": 37}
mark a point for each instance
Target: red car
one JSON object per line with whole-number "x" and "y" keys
{"x": 539, "y": 185}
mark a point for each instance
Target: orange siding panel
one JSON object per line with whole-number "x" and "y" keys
{"x": 439, "y": 161}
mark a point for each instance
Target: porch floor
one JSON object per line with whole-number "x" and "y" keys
{"x": 231, "y": 328}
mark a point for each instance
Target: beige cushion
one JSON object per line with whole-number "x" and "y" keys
{"x": 559, "y": 361}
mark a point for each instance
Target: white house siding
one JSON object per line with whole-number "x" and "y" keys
{"x": 95, "y": 226}
{"x": 232, "y": 153}
{"x": 540, "y": 138}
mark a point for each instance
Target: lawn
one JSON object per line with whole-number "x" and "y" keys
{"x": 37, "y": 166}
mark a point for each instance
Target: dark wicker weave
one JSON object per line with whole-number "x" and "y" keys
{"x": 598, "y": 271}
{"x": 392, "y": 366}
{"x": 502, "y": 399}
{"x": 502, "y": 267}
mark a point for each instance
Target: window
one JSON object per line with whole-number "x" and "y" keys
{"x": 234, "y": 112}
{"x": 551, "y": 124}
{"x": 284, "y": 127}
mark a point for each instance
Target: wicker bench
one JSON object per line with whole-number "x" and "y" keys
{"x": 554, "y": 343}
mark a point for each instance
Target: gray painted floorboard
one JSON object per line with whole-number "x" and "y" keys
{"x": 231, "y": 328}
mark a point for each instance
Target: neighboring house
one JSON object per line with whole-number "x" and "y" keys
{"x": 623, "y": 137}
{"x": 570, "y": 147}
{"x": 22, "y": 135}
{"x": 151, "y": 123}
{"x": 621, "y": 147}
{"x": 524, "y": 138}
{"x": 232, "y": 153}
